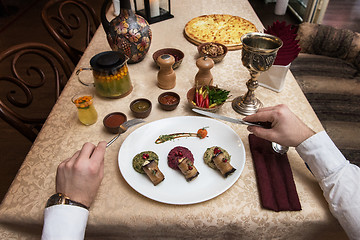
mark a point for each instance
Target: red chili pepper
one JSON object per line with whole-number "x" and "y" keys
{"x": 197, "y": 97}
{"x": 207, "y": 101}
{"x": 201, "y": 100}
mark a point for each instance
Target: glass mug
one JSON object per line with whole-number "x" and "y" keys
{"x": 110, "y": 74}
{"x": 86, "y": 111}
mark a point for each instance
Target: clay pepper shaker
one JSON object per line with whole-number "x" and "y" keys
{"x": 204, "y": 76}
{"x": 166, "y": 75}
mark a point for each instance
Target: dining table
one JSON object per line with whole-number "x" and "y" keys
{"x": 121, "y": 210}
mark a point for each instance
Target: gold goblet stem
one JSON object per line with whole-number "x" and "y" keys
{"x": 252, "y": 84}
{"x": 248, "y": 103}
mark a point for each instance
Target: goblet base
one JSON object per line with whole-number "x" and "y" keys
{"x": 246, "y": 109}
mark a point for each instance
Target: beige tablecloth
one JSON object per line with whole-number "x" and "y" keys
{"x": 122, "y": 213}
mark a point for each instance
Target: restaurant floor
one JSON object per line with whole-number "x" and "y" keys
{"x": 22, "y": 23}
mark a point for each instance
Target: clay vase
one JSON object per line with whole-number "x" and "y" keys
{"x": 127, "y": 33}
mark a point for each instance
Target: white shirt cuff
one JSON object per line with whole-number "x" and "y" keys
{"x": 321, "y": 154}
{"x": 64, "y": 222}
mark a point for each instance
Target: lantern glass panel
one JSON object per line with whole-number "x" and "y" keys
{"x": 153, "y": 10}
{"x": 164, "y": 6}
{"x": 139, "y": 4}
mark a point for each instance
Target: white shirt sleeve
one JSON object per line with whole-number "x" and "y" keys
{"x": 337, "y": 177}
{"x": 64, "y": 222}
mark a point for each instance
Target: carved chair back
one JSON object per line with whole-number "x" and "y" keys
{"x": 32, "y": 76}
{"x": 69, "y": 21}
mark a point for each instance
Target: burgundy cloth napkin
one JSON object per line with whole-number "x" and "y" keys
{"x": 274, "y": 177}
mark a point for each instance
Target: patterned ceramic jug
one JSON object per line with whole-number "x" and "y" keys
{"x": 128, "y": 33}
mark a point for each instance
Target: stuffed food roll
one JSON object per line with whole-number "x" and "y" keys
{"x": 153, "y": 172}
{"x": 223, "y": 164}
{"x": 188, "y": 169}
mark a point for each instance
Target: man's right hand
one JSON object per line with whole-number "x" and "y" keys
{"x": 286, "y": 128}
{"x": 79, "y": 177}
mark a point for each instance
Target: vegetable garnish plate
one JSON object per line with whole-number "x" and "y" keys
{"x": 175, "y": 189}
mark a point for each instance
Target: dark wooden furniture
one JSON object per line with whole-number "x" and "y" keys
{"x": 3, "y": 8}
{"x": 66, "y": 20}
{"x": 33, "y": 66}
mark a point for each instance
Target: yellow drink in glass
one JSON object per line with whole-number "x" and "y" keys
{"x": 86, "y": 111}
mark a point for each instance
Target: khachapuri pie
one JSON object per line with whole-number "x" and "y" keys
{"x": 219, "y": 28}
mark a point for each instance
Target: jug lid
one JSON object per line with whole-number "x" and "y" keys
{"x": 108, "y": 61}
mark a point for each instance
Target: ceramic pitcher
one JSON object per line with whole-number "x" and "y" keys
{"x": 127, "y": 33}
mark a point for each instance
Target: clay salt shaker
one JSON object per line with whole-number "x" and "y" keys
{"x": 166, "y": 75}
{"x": 204, "y": 76}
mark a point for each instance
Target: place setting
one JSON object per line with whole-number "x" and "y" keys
{"x": 156, "y": 175}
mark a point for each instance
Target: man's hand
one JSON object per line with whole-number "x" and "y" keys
{"x": 286, "y": 128}
{"x": 79, "y": 177}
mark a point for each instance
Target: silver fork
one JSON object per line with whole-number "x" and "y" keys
{"x": 124, "y": 127}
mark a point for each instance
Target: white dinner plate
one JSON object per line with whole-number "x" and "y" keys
{"x": 175, "y": 189}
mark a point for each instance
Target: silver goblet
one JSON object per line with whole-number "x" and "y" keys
{"x": 258, "y": 55}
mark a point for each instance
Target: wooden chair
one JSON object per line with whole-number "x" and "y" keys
{"x": 69, "y": 20}
{"x": 45, "y": 74}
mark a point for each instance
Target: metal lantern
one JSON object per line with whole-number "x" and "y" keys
{"x": 153, "y": 10}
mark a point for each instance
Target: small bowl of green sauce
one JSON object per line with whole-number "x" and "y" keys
{"x": 141, "y": 107}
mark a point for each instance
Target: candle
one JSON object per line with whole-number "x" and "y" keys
{"x": 116, "y": 4}
{"x": 154, "y": 8}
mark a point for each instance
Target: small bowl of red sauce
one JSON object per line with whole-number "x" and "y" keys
{"x": 112, "y": 121}
{"x": 141, "y": 107}
{"x": 168, "y": 101}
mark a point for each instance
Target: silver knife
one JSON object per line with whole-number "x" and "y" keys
{"x": 233, "y": 120}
